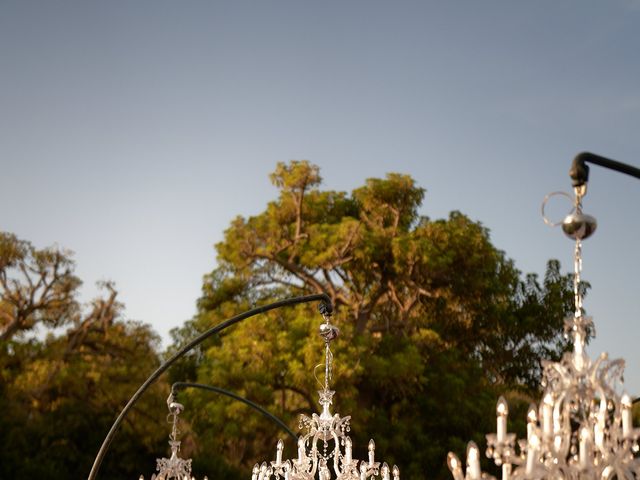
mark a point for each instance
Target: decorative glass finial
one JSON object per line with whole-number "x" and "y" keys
{"x": 325, "y": 451}
{"x": 582, "y": 428}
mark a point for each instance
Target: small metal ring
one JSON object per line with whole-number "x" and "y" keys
{"x": 544, "y": 204}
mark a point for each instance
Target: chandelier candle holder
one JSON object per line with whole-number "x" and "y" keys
{"x": 174, "y": 467}
{"x": 325, "y": 451}
{"x": 582, "y": 428}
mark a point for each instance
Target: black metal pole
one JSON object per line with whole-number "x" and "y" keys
{"x": 235, "y": 396}
{"x": 579, "y": 171}
{"x": 325, "y": 307}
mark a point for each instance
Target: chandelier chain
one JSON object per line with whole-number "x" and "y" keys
{"x": 577, "y": 259}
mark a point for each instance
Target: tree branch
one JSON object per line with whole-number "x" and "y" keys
{"x": 297, "y": 271}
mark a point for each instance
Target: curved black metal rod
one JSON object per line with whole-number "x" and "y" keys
{"x": 325, "y": 307}
{"x": 579, "y": 171}
{"x": 235, "y": 396}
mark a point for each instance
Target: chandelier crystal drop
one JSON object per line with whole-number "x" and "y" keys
{"x": 582, "y": 428}
{"x": 174, "y": 467}
{"x": 325, "y": 451}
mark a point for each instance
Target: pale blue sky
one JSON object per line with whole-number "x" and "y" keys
{"x": 133, "y": 132}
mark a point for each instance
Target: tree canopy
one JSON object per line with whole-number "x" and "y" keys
{"x": 67, "y": 369}
{"x": 433, "y": 318}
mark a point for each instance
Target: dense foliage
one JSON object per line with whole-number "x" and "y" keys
{"x": 66, "y": 370}
{"x": 433, "y": 318}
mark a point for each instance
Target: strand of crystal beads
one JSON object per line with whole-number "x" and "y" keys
{"x": 582, "y": 428}
{"x": 325, "y": 451}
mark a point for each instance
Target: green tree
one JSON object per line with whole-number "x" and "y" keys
{"x": 433, "y": 317}
{"x": 38, "y": 287}
{"x": 62, "y": 390}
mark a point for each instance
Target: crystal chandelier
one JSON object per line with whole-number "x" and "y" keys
{"x": 174, "y": 467}
{"x": 325, "y": 451}
{"x": 582, "y": 428}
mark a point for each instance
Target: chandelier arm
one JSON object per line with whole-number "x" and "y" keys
{"x": 235, "y": 396}
{"x": 336, "y": 455}
{"x": 325, "y": 307}
{"x": 579, "y": 171}
{"x": 314, "y": 458}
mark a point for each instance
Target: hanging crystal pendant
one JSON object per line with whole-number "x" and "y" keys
{"x": 325, "y": 451}
{"x": 582, "y": 428}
